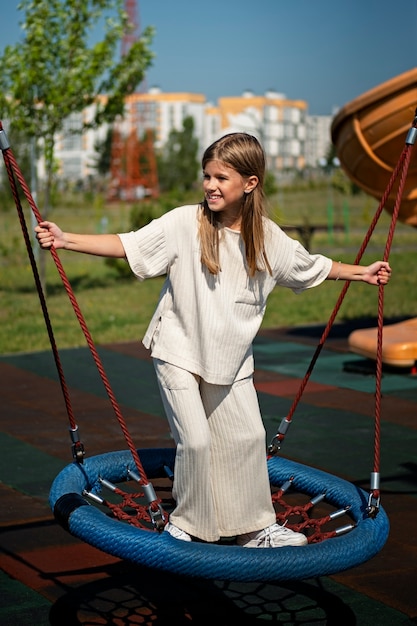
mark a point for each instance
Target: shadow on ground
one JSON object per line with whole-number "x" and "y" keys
{"x": 134, "y": 595}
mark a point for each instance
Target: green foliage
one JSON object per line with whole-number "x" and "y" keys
{"x": 140, "y": 215}
{"x": 178, "y": 165}
{"x": 119, "y": 309}
{"x": 144, "y": 212}
{"x": 103, "y": 150}
{"x": 55, "y": 71}
{"x": 24, "y": 152}
{"x": 270, "y": 184}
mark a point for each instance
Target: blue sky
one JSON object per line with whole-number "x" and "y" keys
{"x": 326, "y": 52}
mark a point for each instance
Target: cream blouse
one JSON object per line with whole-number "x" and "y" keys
{"x": 206, "y": 323}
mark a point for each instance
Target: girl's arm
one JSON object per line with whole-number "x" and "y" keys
{"x": 50, "y": 235}
{"x": 377, "y": 273}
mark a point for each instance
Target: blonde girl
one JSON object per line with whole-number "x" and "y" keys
{"x": 221, "y": 259}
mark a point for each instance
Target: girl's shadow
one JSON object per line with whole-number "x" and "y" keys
{"x": 136, "y": 595}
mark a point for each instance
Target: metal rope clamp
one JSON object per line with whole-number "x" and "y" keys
{"x": 373, "y": 500}
{"x": 4, "y": 142}
{"x": 373, "y": 505}
{"x": 157, "y": 516}
{"x": 77, "y": 447}
{"x": 275, "y": 445}
{"x": 411, "y": 136}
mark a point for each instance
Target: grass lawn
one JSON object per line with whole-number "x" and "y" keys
{"x": 119, "y": 309}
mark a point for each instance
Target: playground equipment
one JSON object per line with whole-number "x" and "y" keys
{"x": 369, "y": 135}
{"x": 130, "y": 529}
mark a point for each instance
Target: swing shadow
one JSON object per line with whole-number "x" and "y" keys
{"x": 134, "y": 594}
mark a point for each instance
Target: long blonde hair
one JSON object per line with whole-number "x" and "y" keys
{"x": 244, "y": 154}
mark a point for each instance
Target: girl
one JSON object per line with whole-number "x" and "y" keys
{"x": 221, "y": 258}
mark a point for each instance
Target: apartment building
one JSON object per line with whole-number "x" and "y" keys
{"x": 290, "y": 138}
{"x": 318, "y": 139}
{"x": 163, "y": 112}
{"x": 279, "y": 123}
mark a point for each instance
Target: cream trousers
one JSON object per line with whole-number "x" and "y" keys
{"x": 221, "y": 483}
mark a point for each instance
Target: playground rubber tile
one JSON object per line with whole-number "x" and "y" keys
{"x": 20, "y": 605}
{"x": 33, "y": 409}
{"x": 393, "y": 409}
{"x": 17, "y": 508}
{"x": 332, "y": 430}
{"x": 408, "y": 393}
{"x": 132, "y": 380}
{"x": 290, "y": 387}
{"x": 330, "y": 368}
{"x": 26, "y": 468}
{"x": 48, "y": 568}
{"x": 391, "y": 561}
{"x": 135, "y": 349}
{"x": 342, "y": 443}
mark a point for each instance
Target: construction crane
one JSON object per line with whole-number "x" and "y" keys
{"x": 133, "y": 172}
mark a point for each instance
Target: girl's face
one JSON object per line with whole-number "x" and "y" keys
{"x": 224, "y": 190}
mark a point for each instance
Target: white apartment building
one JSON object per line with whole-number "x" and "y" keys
{"x": 163, "y": 112}
{"x": 75, "y": 153}
{"x": 279, "y": 123}
{"x": 318, "y": 139}
{"x": 291, "y": 139}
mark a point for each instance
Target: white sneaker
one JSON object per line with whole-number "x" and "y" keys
{"x": 176, "y": 532}
{"x": 274, "y": 536}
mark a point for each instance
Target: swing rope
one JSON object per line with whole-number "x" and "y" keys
{"x": 78, "y": 451}
{"x": 14, "y": 172}
{"x": 374, "y": 497}
{"x": 401, "y": 170}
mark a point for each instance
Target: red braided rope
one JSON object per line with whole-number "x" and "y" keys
{"x": 57, "y": 359}
{"x": 378, "y": 393}
{"x": 12, "y": 167}
{"x": 401, "y": 167}
{"x": 299, "y": 517}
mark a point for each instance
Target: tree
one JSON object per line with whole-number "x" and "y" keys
{"x": 178, "y": 164}
{"x": 103, "y": 151}
{"x": 56, "y": 70}
{"x": 23, "y": 151}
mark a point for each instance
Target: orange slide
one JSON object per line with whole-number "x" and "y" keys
{"x": 399, "y": 343}
{"x": 369, "y": 135}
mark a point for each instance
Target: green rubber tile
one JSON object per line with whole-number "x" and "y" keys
{"x": 26, "y": 468}
{"x": 277, "y": 354}
{"x": 407, "y": 393}
{"x": 342, "y": 443}
{"x": 331, "y": 369}
{"x": 20, "y": 605}
{"x": 132, "y": 380}
{"x": 366, "y": 611}
{"x": 293, "y": 360}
